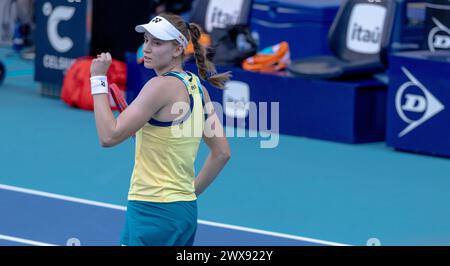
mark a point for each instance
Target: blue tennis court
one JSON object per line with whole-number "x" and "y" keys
{"x": 39, "y": 218}
{"x": 58, "y": 186}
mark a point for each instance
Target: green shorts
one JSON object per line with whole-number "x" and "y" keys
{"x": 160, "y": 224}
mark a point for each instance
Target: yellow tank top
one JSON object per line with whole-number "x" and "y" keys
{"x": 165, "y": 152}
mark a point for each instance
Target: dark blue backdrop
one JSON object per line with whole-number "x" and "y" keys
{"x": 344, "y": 111}
{"x": 62, "y": 37}
{"x": 419, "y": 101}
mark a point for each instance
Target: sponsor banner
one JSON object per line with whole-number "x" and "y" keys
{"x": 62, "y": 37}
{"x": 438, "y": 26}
{"x": 365, "y": 28}
{"x": 419, "y": 102}
{"x": 220, "y": 14}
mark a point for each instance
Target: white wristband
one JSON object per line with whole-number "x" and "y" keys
{"x": 99, "y": 85}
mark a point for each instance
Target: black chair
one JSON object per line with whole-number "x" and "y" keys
{"x": 210, "y": 14}
{"x": 359, "y": 39}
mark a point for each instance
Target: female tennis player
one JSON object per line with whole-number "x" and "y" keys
{"x": 162, "y": 200}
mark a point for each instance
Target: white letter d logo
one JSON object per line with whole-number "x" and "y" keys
{"x": 415, "y": 103}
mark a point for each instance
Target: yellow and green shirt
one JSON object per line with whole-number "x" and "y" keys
{"x": 165, "y": 152}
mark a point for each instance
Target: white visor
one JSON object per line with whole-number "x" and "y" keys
{"x": 162, "y": 29}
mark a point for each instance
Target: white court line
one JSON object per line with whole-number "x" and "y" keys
{"x": 24, "y": 241}
{"x": 123, "y": 208}
{"x": 62, "y": 197}
{"x": 270, "y": 233}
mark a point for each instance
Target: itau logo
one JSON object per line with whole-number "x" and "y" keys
{"x": 365, "y": 29}
{"x": 439, "y": 36}
{"x": 55, "y": 16}
{"x": 220, "y": 13}
{"x": 415, "y": 104}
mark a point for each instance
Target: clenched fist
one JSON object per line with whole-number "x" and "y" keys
{"x": 100, "y": 65}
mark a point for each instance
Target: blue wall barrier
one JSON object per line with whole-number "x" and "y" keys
{"x": 419, "y": 101}
{"x": 343, "y": 111}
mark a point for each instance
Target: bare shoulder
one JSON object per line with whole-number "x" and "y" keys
{"x": 167, "y": 84}
{"x": 154, "y": 93}
{"x": 158, "y": 86}
{"x": 156, "y": 83}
